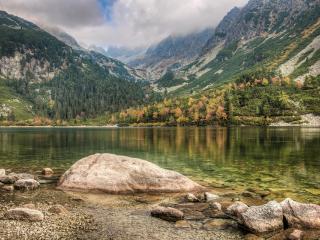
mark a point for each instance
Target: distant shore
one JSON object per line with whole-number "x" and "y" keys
{"x": 48, "y": 126}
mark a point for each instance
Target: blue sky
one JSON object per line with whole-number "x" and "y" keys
{"x": 106, "y": 7}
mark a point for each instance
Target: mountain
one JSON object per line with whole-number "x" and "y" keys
{"x": 279, "y": 35}
{"x": 41, "y": 75}
{"x": 172, "y": 53}
{"x": 63, "y": 37}
{"x": 125, "y": 55}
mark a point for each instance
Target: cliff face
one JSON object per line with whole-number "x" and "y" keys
{"x": 173, "y": 52}
{"x": 262, "y": 34}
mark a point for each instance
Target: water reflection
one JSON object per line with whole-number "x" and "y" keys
{"x": 285, "y": 160}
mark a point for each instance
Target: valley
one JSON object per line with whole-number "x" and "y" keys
{"x": 226, "y": 75}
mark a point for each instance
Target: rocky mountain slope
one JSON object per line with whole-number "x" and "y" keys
{"x": 172, "y": 53}
{"x": 57, "y": 80}
{"x": 279, "y": 35}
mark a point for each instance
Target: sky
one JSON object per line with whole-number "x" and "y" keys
{"x": 123, "y": 23}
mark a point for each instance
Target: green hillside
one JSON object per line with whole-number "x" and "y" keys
{"x": 279, "y": 42}
{"x": 13, "y": 106}
{"x": 41, "y": 73}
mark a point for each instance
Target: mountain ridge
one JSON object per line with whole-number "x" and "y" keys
{"x": 60, "y": 81}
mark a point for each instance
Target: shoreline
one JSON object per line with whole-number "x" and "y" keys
{"x": 98, "y": 216}
{"x": 275, "y": 125}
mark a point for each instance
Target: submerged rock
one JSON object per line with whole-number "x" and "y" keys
{"x": 263, "y": 219}
{"x": 251, "y": 195}
{"x": 26, "y": 184}
{"x": 191, "y": 198}
{"x": 219, "y": 224}
{"x": 209, "y": 197}
{"x": 47, "y": 172}
{"x": 19, "y": 176}
{"x": 119, "y": 174}
{"x": 167, "y": 214}
{"x": 301, "y": 215}
{"x": 24, "y": 214}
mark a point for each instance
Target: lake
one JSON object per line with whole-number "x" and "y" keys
{"x": 284, "y": 160}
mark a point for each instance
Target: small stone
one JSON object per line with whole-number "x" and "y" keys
{"x": 26, "y": 184}
{"x": 262, "y": 193}
{"x": 252, "y": 237}
{"x": 24, "y": 214}
{"x": 296, "y": 235}
{"x": 216, "y": 206}
{"x": 219, "y": 224}
{"x": 209, "y": 197}
{"x": 182, "y": 224}
{"x": 7, "y": 179}
{"x": 2, "y": 172}
{"x": 47, "y": 172}
{"x": 19, "y": 176}
{"x": 7, "y": 188}
{"x": 251, "y": 195}
{"x": 193, "y": 215}
{"x": 29, "y": 205}
{"x": 236, "y": 209}
{"x": 191, "y": 198}
{"x": 58, "y": 209}
{"x": 215, "y": 211}
{"x": 167, "y": 214}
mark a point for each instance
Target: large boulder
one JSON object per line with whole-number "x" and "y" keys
{"x": 167, "y": 214}
{"x": 301, "y": 215}
{"x": 119, "y": 174}
{"x": 24, "y": 214}
{"x": 26, "y": 184}
{"x": 263, "y": 219}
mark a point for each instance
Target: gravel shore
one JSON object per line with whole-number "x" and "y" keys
{"x": 94, "y": 216}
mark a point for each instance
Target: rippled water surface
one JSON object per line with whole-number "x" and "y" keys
{"x": 284, "y": 160}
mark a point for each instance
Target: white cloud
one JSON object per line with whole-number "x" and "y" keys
{"x": 134, "y": 22}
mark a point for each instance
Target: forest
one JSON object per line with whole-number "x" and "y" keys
{"x": 255, "y": 98}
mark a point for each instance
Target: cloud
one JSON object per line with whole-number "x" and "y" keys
{"x": 128, "y": 23}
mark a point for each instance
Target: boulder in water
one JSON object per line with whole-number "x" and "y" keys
{"x": 263, "y": 219}
{"x": 301, "y": 215}
{"x": 26, "y": 184}
{"x": 119, "y": 174}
